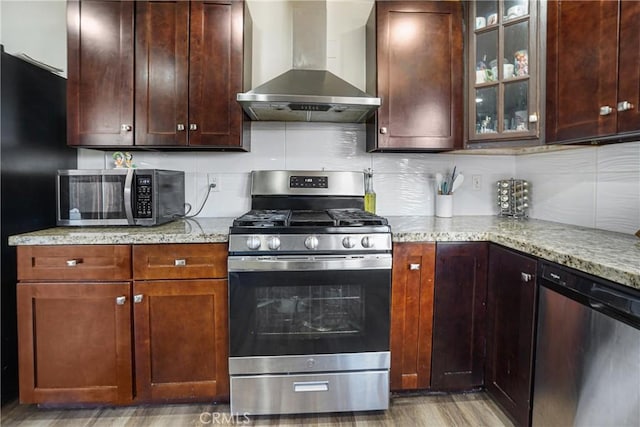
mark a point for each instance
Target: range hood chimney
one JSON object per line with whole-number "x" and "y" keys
{"x": 308, "y": 92}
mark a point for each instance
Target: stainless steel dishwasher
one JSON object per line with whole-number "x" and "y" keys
{"x": 587, "y": 369}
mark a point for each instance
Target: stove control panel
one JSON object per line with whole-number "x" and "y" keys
{"x": 305, "y": 243}
{"x": 296, "y": 181}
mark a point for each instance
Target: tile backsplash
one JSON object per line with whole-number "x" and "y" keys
{"x": 594, "y": 187}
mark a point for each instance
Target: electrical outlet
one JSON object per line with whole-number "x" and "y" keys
{"x": 477, "y": 182}
{"x": 213, "y": 181}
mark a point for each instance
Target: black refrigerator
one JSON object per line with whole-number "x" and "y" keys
{"x": 33, "y": 148}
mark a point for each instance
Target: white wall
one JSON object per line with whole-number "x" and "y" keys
{"x": 35, "y": 28}
{"x": 592, "y": 187}
{"x": 404, "y": 183}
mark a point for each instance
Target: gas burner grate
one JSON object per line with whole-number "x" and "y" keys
{"x": 264, "y": 218}
{"x": 355, "y": 217}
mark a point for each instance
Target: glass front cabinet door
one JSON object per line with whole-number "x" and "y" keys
{"x": 503, "y": 71}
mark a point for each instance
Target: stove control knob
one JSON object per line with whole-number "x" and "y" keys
{"x": 367, "y": 242}
{"x": 349, "y": 242}
{"x": 311, "y": 242}
{"x": 253, "y": 242}
{"x": 273, "y": 243}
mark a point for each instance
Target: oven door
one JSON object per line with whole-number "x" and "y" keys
{"x": 323, "y": 304}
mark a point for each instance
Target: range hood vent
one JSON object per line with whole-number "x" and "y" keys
{"x": 306, "y": 93}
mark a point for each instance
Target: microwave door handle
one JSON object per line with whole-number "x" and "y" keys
{"x": 127, "y": 197}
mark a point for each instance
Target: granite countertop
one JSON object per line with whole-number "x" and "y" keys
{"x": 606, "y": 254}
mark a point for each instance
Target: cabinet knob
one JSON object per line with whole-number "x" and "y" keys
{"x": 121, "y": 300}
{"x": 605, "y": 110}
{"x": 180, "y": 127}
{"x": 126, "y": 128}
{"x": 72, "y": 262}
{"x": 193, "y": 126}
{"x": 180, "y": 262}
{"x": 137, "y": 298}
{"x": 414, "y": 266}
{"x": 383, "y": 130}
{"x": 526, "y": 277}
{"x": 624, "y": 106}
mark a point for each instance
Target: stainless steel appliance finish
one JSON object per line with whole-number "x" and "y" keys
{"x": 308, "y": 96}
{"x": 309, "y": 297}
{"x": 308, "y": 92}
{"x": 278, "y": 183}
{"x": 587, "y": 370}
{"x": 90, "y": 197}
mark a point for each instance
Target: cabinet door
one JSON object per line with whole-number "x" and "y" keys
{"x": 581, "y": 69}
{"x": 215, "y": 74}
{"x": 412, "y": 315}
{"x": 420, "y": 68}
{"x": 181, "y": 340}
{"x": 459, "y": 316}
{"x": 100, "y": 74}
{"x": 74, "y": 343}
{"x": 162, "y": 72}
{"x": 510, "y": 320}
{"x": 629, "y": 67}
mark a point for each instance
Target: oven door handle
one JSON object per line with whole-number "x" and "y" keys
{"x": 312, "y": 263}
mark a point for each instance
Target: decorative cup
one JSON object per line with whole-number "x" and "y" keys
{"x": 492, "y": 19}
{"x": 481, "y": 22}
{"x": 444, "y": 205}
{"x": 508, "y": 71}
{"x": 481, "y": 76}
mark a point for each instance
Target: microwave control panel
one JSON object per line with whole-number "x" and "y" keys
{"x": 143, "y": 204}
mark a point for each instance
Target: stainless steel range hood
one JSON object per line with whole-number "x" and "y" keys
{"x": 308, "y": 92}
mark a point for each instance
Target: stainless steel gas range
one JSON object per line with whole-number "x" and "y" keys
{"x": 309, "y": 297}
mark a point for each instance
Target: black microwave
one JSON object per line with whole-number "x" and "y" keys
{"x": 119, "y": 196}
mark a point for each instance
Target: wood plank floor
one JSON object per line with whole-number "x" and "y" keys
{"x": 432, "y": 410}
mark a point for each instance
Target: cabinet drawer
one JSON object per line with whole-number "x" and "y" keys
{"x": 180, "y": 261}
{"x": 81, "y": 262}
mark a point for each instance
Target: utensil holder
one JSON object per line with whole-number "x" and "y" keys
{"x": 513, "y": 198}
{"x": 444, "y": 205}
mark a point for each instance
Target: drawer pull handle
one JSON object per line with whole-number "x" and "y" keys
{"x": 137, "y": 298}
{"x": 72, "y": 262}
{"x": 121, "y": 300}
{"x": 180, "y": 262}
{"x": 414, "y": 266}
{"x": 526, "y": 277}
{"x": 307, "y": 386}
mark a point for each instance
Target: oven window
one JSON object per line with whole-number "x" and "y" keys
{"x": 308, "y": 312}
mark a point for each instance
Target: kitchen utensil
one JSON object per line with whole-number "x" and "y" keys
{"x": 439, "y": 179}
{"x": 457, "y": 182}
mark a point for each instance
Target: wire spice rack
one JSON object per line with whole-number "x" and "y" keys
{"x": 513, "y": 198}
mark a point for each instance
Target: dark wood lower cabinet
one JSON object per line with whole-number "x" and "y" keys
{"x": 412, "y": 315}
{"x": 74, "y": 342}
{"x": 181, "y": 340}
{"x": 459, "y": 316}
{"x": 510, "y": 333}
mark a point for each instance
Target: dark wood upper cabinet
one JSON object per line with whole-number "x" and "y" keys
{"x": 412, "y": 315}
{"x": 459, "y": 316}
{"x": 510, "y": 331}
{"x": 593, "y": 70}
{"x": 160, "y": 74}
{"x": 100, "y": 73}
{"x": 188, "y": 72}
{"x": 419, "y": 52}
